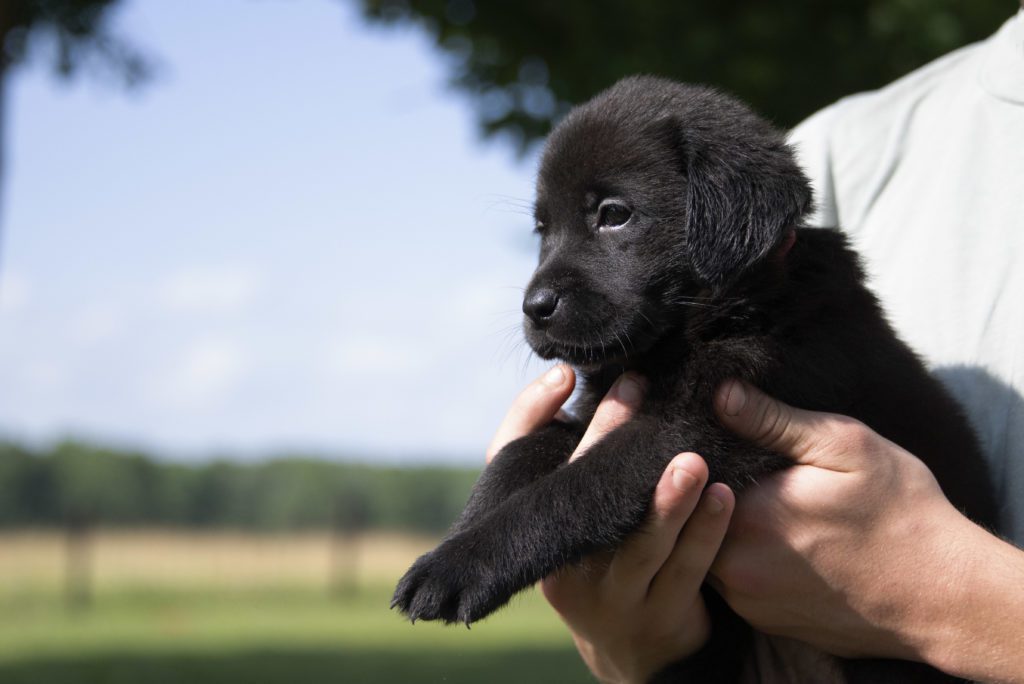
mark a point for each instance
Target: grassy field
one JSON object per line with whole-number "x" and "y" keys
{"x": 177, "y": 607}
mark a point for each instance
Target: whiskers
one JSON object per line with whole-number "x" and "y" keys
{"x": 647, "y": 319}
{"x": 512, "y": 347}
{"x": 510, "y": 205}
{"x": 699, "y": 302}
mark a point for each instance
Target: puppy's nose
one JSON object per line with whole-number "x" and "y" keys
{"x": 540, "y": 305}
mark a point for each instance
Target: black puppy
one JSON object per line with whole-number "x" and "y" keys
{"x": 672, "y": 245}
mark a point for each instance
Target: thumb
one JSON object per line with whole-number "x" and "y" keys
{"x": 770, "y": 423}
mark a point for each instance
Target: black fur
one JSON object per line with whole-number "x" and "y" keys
{"x": 698, "y": 286}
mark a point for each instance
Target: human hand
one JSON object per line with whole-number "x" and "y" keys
{"x": 536, "y": 406}
{"x": 633, "y": 611}
{"x": 854, "y": 549}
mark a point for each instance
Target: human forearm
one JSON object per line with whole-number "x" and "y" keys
{"x": 980, "y": 632}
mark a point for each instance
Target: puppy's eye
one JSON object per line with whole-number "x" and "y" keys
{"x": 539, "y": 227}
{"x": 612, "y": 214}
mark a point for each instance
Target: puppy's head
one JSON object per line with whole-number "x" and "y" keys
{"x": 650, "y": 195}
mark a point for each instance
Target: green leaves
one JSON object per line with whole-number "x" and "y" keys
{"x": 523, "y": 64}
{"x": 74, "y": 482}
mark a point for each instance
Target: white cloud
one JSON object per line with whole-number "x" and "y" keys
{"x": 44, "y": 375}
{"x": 14, "y": 293}
{"x": 96, "y": 323}
{"x": 374, "y": 354}
{"x": 207, "y": 370}
{"x": 209, "y": 289}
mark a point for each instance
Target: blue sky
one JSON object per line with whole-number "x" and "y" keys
{"x": 291, "y": 237}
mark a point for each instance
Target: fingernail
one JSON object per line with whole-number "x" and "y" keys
{"x": 713, "y": 503}
{"x": 629, "y": 390}
{"x": 554, "y": 377}
{"x": 682, "y": 477}
{"x": 735, "y": 398}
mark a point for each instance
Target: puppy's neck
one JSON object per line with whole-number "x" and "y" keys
{"x": 787, "y": 244}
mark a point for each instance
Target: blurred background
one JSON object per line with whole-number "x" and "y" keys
{"x": 260, "y": 271}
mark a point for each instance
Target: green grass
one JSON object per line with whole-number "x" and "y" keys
{"x": 271, "y": 635}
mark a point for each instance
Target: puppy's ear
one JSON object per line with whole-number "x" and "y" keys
{"x": 744, "y": 192}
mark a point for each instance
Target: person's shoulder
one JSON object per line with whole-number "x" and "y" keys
{"x": 846, "y": 145}
{"x": 865, "y": 116}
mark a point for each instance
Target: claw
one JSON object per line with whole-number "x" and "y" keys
{"x": 440, "y": 587}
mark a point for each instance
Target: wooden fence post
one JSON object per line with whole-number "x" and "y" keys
{"x": 349, "y": 517}
{"x": 78, "y": 561}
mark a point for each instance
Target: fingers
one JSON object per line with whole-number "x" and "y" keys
{"x": 614, "y": 410}
{"x": 574, "y": 590}
{"x": 687, "y": 565}
{"x": 770, "y": 423}
{"x": 535, "y": 406}
{"x": 675, "y": 497}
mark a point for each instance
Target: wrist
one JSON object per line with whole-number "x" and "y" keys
{"x": 944, "y": 595}
{"x": 975, "y": 627}
{"x": 911, "y": 600}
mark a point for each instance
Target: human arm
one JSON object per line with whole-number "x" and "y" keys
{"x": 855, "y": 550}
{"x": 634, "y": 611}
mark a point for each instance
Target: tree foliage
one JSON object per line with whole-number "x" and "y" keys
{"x": 73, "y": 481}
{"x": 75, "y": 30}
{"x": 524, "y": 63}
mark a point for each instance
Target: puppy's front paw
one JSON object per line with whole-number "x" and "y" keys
{"x": 447, "y": 585}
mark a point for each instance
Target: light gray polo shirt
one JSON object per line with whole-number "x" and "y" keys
{"x": 927, "y": 176}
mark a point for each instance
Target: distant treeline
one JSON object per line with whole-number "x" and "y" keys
{"x": 74, "y": 483}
